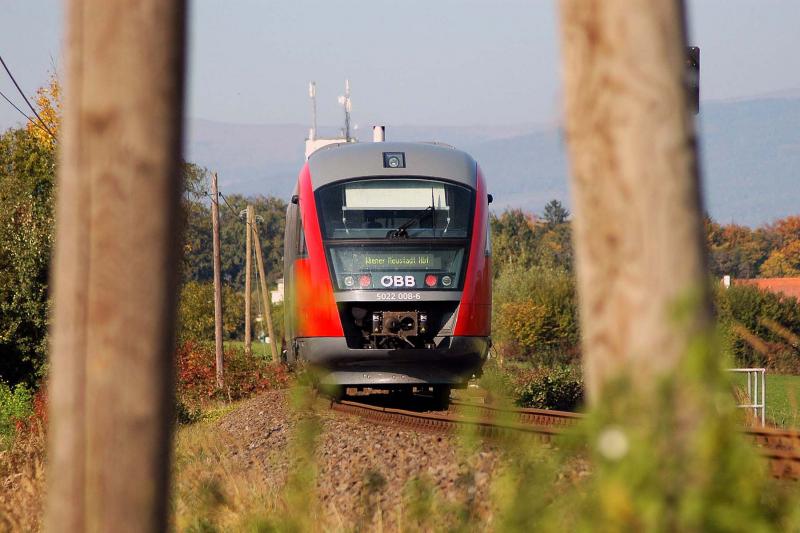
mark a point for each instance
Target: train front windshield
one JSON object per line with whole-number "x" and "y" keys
{"x": 406, "y": 233}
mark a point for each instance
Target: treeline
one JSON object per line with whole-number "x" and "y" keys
{"x": 535, "y": 303}
{"x": 27, "y": 179}
{"x": 769, "y": 251}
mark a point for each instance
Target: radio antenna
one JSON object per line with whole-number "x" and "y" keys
{"x": 345, "y": 102}
{"x": 312, "y": 93}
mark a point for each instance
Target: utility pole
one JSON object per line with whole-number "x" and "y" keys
{"x": 217, "y": 280}
{"x": 637, "y": 216}
{"x": 249, "y": 225}
{"x": 265, "y": 295}
{"x": 114, "y": 269}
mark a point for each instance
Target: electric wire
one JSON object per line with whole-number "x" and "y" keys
{"x": 19, "y": 89}
{"x": 233, "y": 211}
{"x": 21, "y": 112}
{"x": 29, "y": 119}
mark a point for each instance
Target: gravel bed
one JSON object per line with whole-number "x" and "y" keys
{"x": 365, "y": 471}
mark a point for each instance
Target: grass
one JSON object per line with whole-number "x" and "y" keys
{"x": 783, "y": 399}
{"x": 259, "y": 348}
{"x": 22, "y": 469}
{"x": 783, "y": 393}
{"x": 211, "y": 492}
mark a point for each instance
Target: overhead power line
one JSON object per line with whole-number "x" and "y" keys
{"x": 21, "y": 112}
{"x": 19, "y": 89}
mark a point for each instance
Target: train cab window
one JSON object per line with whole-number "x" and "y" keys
{"x": 393, "y": 233}
{"x": 385, "y": 208}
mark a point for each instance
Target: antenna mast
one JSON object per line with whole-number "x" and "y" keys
{"x": 312, "y": 93}
{"x": 345, "y": 102}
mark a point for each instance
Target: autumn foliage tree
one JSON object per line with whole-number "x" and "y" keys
{"x": 48, "y": 101}
{"x": 784, "y": 261}
{"x": 742, "y": 252}
{"x": 525, "y": 240}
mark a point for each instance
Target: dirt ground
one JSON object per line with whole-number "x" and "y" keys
{"x": 366, "y": 474}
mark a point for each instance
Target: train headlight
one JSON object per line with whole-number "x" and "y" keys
{"x": 447, "y": 281}
{"x": 349, "y": 281}
{"x": 365, "y": 281}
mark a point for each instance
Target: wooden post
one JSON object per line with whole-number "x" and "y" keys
{"x": 247, "y": 283}
{"x": 217, "y": 280}
{"x": 265, "y": 295}
{"x": 636, "y": 200}
{"x": 114, "y": 270}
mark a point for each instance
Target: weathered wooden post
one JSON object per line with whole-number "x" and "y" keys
{"x": 265, "y": 295}
{"x": 248, "y": 288}
{"x": 114, "y": 271}
{"x": 636, "y": 198}
{"x": 217, "y": 281}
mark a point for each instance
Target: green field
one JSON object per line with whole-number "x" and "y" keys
{"x": 259, "y": 348}
{"x": 783, "y": 393}
{"x": 783, "y": 399}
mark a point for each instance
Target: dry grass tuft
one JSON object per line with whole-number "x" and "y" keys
{"x": 22, "y": 466}
{"x": 211, "y": 492}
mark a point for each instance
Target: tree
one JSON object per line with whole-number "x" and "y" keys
{"x": 196, "y": 312}
{"x": 783, "y": 263}
{"x": 554, "y": 247}
{"x": 555, "y": 213}
{"x": 513, "y": 239}
{"x": 27, "y": 170}
{"x": 737, "y": 250}
{"x": 786, "y": 229}
{"x": 48, "y": 100}
{"x": 270, "y": 214}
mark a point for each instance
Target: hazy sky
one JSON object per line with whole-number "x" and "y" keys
{"x": 444, "y": 62}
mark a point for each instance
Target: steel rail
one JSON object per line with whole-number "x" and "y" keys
{"x": 442, "y": 422}
{"x": 541, "y": 417}
{"x": 780, "y": 447}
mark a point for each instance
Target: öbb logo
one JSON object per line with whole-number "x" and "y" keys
{"x": 398, "y": 281}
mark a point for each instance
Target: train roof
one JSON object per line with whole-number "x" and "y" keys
{"x": 359, "y": 160}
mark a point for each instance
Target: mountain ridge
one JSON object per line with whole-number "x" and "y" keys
{"x": 749, "y": 150}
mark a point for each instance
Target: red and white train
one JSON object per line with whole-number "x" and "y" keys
{"x": 387, "y": 266}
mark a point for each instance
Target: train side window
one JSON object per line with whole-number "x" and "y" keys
{"x": 488, "y": 249}
{"x": 302, "y": 250}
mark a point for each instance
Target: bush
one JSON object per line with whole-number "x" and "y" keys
{"x": 244, "y": 376}
{"x": 536, "y": 315}
{"x": 761, "y": 328}
{"x": 16, "y": 407}
{"x": 559, "y": 388}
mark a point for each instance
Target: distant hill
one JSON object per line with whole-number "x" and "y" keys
{"x": 750, "y": 151}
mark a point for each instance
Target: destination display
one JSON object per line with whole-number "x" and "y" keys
{"x": 360, "y": 267}
{"x": 396, "y": 261}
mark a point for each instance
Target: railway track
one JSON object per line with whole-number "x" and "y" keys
{"x": 780, "y": 447}
{"x": 444, "y": 421}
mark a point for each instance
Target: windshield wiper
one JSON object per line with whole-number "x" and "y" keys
{"x": 402, "y": 230}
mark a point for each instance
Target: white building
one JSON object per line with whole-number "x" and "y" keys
{"x": 276, "y": 296}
